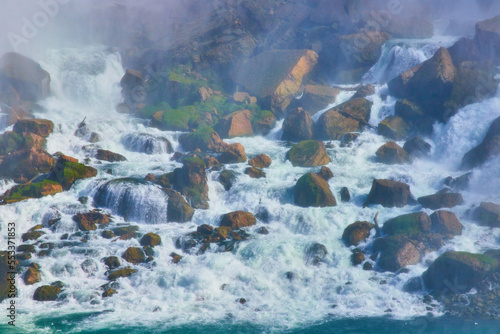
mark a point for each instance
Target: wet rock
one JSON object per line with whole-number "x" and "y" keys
{"x": 417, "y": 147}
{"x": 89, "y": 221}
{"x": 413, "y": 115}
{"x": 357, "y": 232}
{"x": 489, "y": 148}
{"x": 263, "y": 122}
{"x": 262, "y": 230}
{"x": 191, "y": 181}
{"x": 417, "y": 26}
{"x": 364, "y": 91}
{"x": 31, "y": 235}
{"x": 107, "y": 234}
{"x": 125, "y": 272}
{"x": 348, "y": 138}
{"x": 357, "y": 258}
{"x": 315, "y": 254}
{"x": 347, "y": 117}
{"x": 459, "y": 183}
{"x": 408, "y": 224}
{"x": 281, "y": 84}
{"x": 146, "y": 143}
{"x": 39, "y": 127}
{"x": 12, "y": 142}
{"x": 397, "y": 252}
{"x": 25, "y": 165}
{"x": 176, "y": 258}
{"x": 298, "y": 125}
{"x": 446, "y": 224}
{"x": 315, "y": 98}
{"x": 345, "y": 196}
{"x": 227, "y": 178}
{"x": 32, "y": 275}
{"x": 31, "y": 190}
{"x": 27, "y": 77}
{"x": 325, "y": 173}
{"x": 236, "y": 124}
{"x": 363, "y": 49}
{"x": 392, "y": 154}
{"x": 47, "y": 293}
{"x": 178, "y": 209}
{"x": 487, "y": 39}
{"x": 255, "y": 173}
{"x": 205, "y": 139}
{"x": 458, "y": 272}
{"x": 393, "y": 127}
{"x": 112, "y": 262}
{"x": 488, "y": 214}
{"x": 238, "y": 219}
{"x": 308, "y": 153}
{"x": 109, "y": 156}
{"x": 89, "y": 266}
{"x": 205, "y": 229}
{"x": 124, "y": 230}
{"x": 109, "y": 292}
{"x": 438, "y": 201}
{"x": 150, "y": 239}
{"x": 312, "y": 190}
{"x": 234, "y": 153}
{"x": 26, "y": 248}
{"x": 67, "y": 171}
{"x": 389, "y": 193}
{"x": 260, "y": 161}
{"x": 134, "y": 255}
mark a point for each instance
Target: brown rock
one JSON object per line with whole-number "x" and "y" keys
{"x": 364, "y": 91}
{"x": 125, "y": 272}
{"x": 397, "y": 252}
{"x": 313, "y": 190}
{"x": 39, "y": 127}
{"x": 150, "y": 239}
{"x": 109, "y": 156}
{"x": 238, "y": 219}
{"x": 438, "y": 201}
{"x": 46, "y": 293}
{"x": 308, "y": 153}
{"x": 393, "y": 127}
{"x": 260, "y": 161}
{"x": 315, "y": 98}
{"x": 446, "y": 224}
{"x": 25, "y": 165}
{"x": 298, "y": 125}
{"x": 255, "y": 173}
{"x": 112, "y": 262}
{"x": 32, "y": 276}
{"x": 489, "y": 148}
{"x": 234, "y": 153}
{"x": 391, "y": 154}
{"x": 134, "y": 255}
{"x": 88, "y": 221}
{"x": 357, "y": 232}
{"x": 488, "y": 214}
{"x": 364, "y": 48}
{"x": 236, "y": 124}
{"x": 325, "y": 173}
{"x": 389, "y": 194}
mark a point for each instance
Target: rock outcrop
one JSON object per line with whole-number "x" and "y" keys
{"x": 313, "y": 190}
{"x": 308, "y": 153}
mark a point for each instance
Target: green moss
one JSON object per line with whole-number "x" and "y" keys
{"x": 193, "y": 161}
{"x": 406, "y": 224}
{"x": 10, "y": 142}
{"x": 178, "y": 119}
{"x": 148, "y": 111}
{"x": 482, "y": 258}
{"x": 196, "y": 196}
{"x": 73, "y": 171}
{"x": 33, "y": 190}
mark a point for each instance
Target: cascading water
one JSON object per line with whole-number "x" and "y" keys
{"x": 203, "y": 289}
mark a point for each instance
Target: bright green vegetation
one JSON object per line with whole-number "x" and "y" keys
{"x": 31, "y": 190}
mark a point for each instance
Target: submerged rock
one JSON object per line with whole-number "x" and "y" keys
{"x": 255, "y": 173}
{"x": 308, "y": 153}
{"x": 313, "y": 190}
{"x": 315, "y": 254}
{"x": 145, "y": 143}
{"x": 125, "y": 272}
{"x": 389, "y": 193}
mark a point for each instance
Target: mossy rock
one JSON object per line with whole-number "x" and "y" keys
{"x": 313, "y": 190}
{"x": 255, "y": 173}
{"x": 227, "y": 178}
{"x": 40, "y": 127}
{"x": 109, "y": 292}
{"x": 112, "y": 262}
{"x": 32, "y": 235}
{"x": 412, "y": 223}
{"x": 122, "y": 230}
{"x": 178, "y": 209}
{"x": 125, "y": 272}
{"x": 308, "y": 153}
{"x": 263, "y": 121}
{"x": 11, "y": 142}
{"x": 46, "y": 293}
{"x": 205, "y": 139}
{"x": 150, "y": 239}
{"x": 393, "y": 127}
{"x": 32, "y": 190}
{"x": 134, "y": 255}
{"x": 68, "y": 172}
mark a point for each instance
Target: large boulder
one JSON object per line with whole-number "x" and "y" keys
{"x": 27, "y": 77}
{"x": 413, "y": 116}
{"x": 488, "y": 148}
{"x": 315, "y": 98}
{"x": 68, "y": 170}
{"x": 389, "y": 194}
{"x": 233, "y": 153}
{"x": 347, "y": 117}
{"x": 298, "y": 125}
{"x": 417, "y": 147}
{"x": 39, "y": 127}
{"x": 205, "y": 139}
{"x": 134, "y": 255}
{"x": 25, "y": 165}
{"x": 357, "y": 232}
{"x": 191, "y": 181}
{"x": 488, "y": 214}
{"x": 308, "y": 153}
{"x": 12, "y": 142}
{"x": 458, "y": 272}
{"x": 236, "y": 124}
{"x": 227, "y": 178}
{"x": 109, "y": 156}
{"x": 260, "y": 161}
{"x": 46, "y": 293}
{"x": 276, "y": 75}
{"x": 238, "y": 219}
{"x": 89, "y": 221}
{"x": 393, "y": 127}
{"x": 178, "y": 209}
{"x": 418, "y": 26}
{"x": 446, "y": 224}
{"x": 397, "y": 252}
{"x": 31, "y": 190}
{"x": 441, "y": 200}
{"x": 363, "y": 49}
{"x": 487, "y": 39}
{"x": 430, "y": 83}
{"x": 313, "y": 190}
{"x": 408, "y": 224}
{"x": 391, "y": 154}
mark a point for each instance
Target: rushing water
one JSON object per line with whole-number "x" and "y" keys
{"x": 334, "y": 297}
